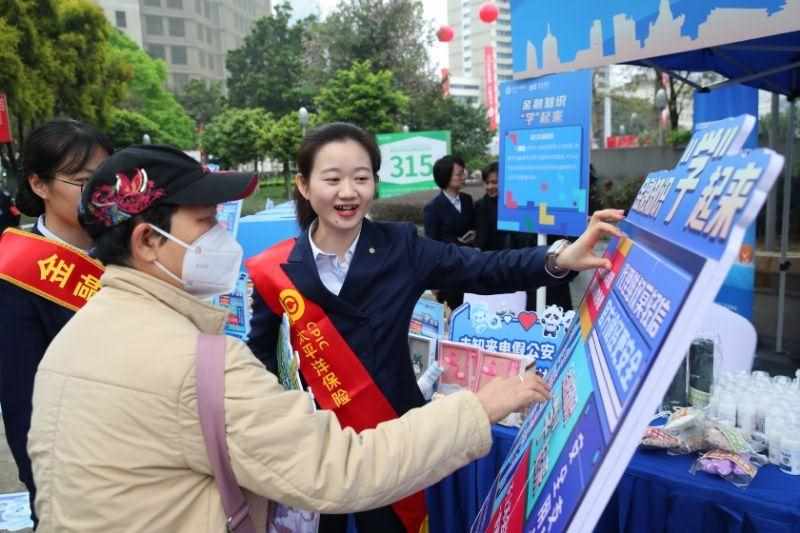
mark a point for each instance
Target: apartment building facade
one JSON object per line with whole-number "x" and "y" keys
{"x": 191, "y": 36}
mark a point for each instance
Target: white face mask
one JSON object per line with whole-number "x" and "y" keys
{"x": 211, "y": 263}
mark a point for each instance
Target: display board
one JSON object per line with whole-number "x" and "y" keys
{"x": 634, "y": 325}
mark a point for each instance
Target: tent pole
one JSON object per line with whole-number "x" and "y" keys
{"x": 772, "y": 199}
{"x": 787, "y": 199}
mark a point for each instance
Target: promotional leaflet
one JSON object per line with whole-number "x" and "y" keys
{"x": 237, "y": 302}
{"x": 427, "y": 319}
{"x": 524, "y": 334}
{"x": 468, "y": 367}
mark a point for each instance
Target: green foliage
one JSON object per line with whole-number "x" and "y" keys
{"x": 128, "y": 127}
{"x": 30, "y": 95}
{"x": 780, "y": 135}
{"x": 678, "y": 91}
{"x": 636, "y": 115}
{"x": 479, "y": 163}
{"x": 364, "y": 97}
{"x": 469, "y": 128}
{"x": 282, "y": 141}
{"x": 679, "y": 137}
{"x": 267, "y": 71}
{"x": 148, "y": 96}
{"x": 273, "y": 189}
{"x": 391, "y": 34}
{"x": 237, "y": 136}
{"x": 202, "y": 102}
{"x": 92, "y": 78}
{"x": 56, "y": 60}
{"x": 13, "y": 71}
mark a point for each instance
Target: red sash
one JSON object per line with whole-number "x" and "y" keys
{"x": 57, "y": 272}
{"x": 337, "y": 377}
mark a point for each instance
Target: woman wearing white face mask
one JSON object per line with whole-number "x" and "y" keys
{"x": 115, "y": 439}
{"x": 211, "y": 263}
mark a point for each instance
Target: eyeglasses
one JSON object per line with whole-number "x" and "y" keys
{"x": 80, "y": 184}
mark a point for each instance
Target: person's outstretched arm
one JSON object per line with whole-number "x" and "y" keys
{"x": 282, "y": 449}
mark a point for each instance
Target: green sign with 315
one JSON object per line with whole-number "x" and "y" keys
{"x": 407, "y": 160}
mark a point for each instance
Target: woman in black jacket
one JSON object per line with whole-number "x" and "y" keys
{"x": 45, "y": 274}
{"x": 450, "y": 216}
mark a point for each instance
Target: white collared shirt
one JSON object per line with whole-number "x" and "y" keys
{"x": 45, "y": 231}
{"x": 332, "y": 271}
{"x": 455, "y": 200}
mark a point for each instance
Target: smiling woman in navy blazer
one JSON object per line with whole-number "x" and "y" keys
{"x": 367, "y": 276}
{"x": 450, "y": 215}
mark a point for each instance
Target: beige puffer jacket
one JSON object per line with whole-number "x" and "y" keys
{"x": 116, "y": 443}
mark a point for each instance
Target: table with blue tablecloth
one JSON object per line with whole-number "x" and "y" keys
{"x": 656, "y": 494}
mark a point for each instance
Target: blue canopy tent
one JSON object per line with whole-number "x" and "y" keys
{"x": 771, "y": 64}
{"x": 750, "y": 42}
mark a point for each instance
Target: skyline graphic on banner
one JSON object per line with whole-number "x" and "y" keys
{"x": 615, "y": 32}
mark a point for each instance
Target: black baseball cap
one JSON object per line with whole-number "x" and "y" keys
{"x": 139, "y": 177}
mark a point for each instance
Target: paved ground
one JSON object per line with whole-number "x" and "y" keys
{"x": 8, "y": 471}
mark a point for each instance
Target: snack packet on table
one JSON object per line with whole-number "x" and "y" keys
{"x": 737, "y": 468}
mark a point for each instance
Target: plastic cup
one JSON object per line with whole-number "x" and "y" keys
{"x": 790, "y": 451}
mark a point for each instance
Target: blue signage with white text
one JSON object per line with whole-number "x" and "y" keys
{"x": 631, "y": 332}
{"x": 545, "y": 137}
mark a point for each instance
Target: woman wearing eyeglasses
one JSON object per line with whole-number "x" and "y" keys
{"x": 45, "y": 274}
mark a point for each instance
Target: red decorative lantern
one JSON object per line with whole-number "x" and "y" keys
{"x": 445, "y": 34}
{"x": 488, "y": 12}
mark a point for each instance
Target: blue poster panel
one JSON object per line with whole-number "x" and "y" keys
{"x": 545, "y": 131}
{"x": 634, "y": 325}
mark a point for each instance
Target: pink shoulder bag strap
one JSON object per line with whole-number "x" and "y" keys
{"x": 211, "y": 408}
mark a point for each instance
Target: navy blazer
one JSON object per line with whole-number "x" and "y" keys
{"x": 28, "y": 323}
{"x": 443, "y": 222}
{"x": 391, "y": 268}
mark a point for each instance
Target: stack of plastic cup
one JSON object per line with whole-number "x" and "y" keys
{"x": 766, "y": 409}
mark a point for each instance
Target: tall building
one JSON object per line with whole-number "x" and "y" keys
{"x": 192, "y": 36}
{"x": 126, "y": 16}
{"x": 468, "y": 52}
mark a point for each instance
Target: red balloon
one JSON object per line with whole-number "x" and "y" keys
{"x": 488, "y": 12}
{"x": 445, "y": 34}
